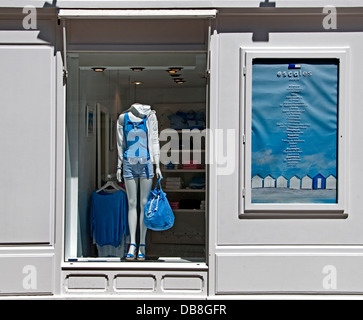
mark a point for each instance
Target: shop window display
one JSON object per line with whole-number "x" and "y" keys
{"x": 115, "y": 118}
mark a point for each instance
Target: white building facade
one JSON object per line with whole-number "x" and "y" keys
{"x": 49, "y": 147}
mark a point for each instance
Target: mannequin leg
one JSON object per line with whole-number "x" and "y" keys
{"x": 131, "y": 191}
{"x": 145, "y": 187}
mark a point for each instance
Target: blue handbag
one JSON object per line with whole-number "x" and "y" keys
{"x": 158, "y": 215}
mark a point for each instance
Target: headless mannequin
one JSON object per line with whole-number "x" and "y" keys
{"x": 131, "y": 191}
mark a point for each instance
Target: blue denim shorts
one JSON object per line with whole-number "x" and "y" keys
{"x": 138, "y": 170}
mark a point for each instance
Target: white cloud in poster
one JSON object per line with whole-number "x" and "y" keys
{"x": 264, "y": 157}
{"x": 318, "y": 163}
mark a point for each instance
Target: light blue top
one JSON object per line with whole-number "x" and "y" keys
{"x": 136, "y": 140}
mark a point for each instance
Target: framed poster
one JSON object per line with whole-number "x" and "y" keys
{"x": 90, "y": 121}
{"x": 294, "y": 131}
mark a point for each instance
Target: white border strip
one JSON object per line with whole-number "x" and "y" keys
{"x": 124, "y": 14}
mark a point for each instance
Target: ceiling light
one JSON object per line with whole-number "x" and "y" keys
{"x": 137, "y": 83}
{"x": 174, "y": 70}
{"x": 179, "y": 80}
{"x": 137, "y": 69}
{"x": 98, "y": 69}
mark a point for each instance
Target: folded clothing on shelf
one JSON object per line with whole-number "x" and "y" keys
{"x": 173, "y": 183}
{"x": 202, "y": 205}
{"x": 174, "y": 205}
{"x": 197, "y": 183}
{"x": 187, "y": 120}
{"x": 171, "y": 166}
{"x": 192, "y": 165}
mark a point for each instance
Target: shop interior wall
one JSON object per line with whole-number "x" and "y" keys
{"x": 95, "y": 88}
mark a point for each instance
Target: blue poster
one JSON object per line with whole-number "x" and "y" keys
{"x": 294, "y": 131}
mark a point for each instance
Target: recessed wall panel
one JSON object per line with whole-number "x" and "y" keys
{"x": 27, "y": 144}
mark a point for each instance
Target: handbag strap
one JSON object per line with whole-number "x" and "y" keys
{"x": 149, "y": 214}
{"x": 157, "y": 203}
{"x": 158, "y": 183}
{"x": 151, "y": 204}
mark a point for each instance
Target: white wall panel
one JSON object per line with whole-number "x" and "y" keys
{"x": 136, "y": 283}
{"x": 289, "y": 273}
{"x": 27, "y": 144}
{"x": 26, "y": 274}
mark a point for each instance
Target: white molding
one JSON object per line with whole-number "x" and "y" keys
{"x": 178, "y": 3}
{"x": 247, "y": 55}
{"x": 141, "y": 14}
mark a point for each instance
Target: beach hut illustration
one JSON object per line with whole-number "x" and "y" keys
{"x": 307, "y": 182}
{"x": 281, "y": 182}
{"x": 269, "y": 182}
{"x": 295, "y": 182}
{"x": 318, "y": 182}
{"x": 331, "y": 182}
{"x": 257, "y": 181}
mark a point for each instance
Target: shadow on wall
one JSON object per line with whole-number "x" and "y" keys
{"x": 267, "y": 4}
{"x": 267, "y": 18}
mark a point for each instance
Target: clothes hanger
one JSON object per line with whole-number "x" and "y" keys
{"x": 110, "y": 183}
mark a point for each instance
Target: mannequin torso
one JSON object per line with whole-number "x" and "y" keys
{"x": 136, "y": 114}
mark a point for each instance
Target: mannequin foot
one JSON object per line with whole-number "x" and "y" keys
{"x": 132, "y": 252}
{"x": 141, "y": 255}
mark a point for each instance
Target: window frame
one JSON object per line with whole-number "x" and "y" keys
{"x": 281, "y": 210}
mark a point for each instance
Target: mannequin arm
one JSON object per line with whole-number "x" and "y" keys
{"x": 157, "y": 166}
{"x": 119, "y": 170}
{"x": 155, "y": 144}
{"x": 120, "y": 149}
